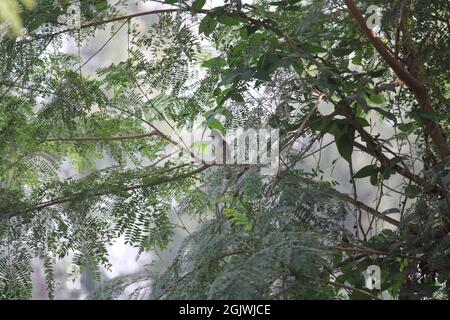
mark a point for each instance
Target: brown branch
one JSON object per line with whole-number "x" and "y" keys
{"x": 374, "y": 150}
{"x": 298, "y": 275}
{"x": 356, "y": 203}
{"x": 373, "y": 252}
{"x": 117, "y": 138}
{"x": 428, "y": 187}
{"x": 343, "y": 286}
{"x": 413, "y": 83}
{"x": 358, "y": 223}
{"x": 304, "y": 122}
{"x": 98, "y": 23}
{"x": 398, "y": 68}
{"x": 68, "y": 199}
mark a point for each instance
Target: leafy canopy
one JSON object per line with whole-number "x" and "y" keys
{"x": 277, "y": 64}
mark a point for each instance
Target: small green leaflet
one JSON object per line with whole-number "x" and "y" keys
{"x": 102, "y": 5}
{"x": 238, "y": 218}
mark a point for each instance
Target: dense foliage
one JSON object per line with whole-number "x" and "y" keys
{"x": 312, "y": 69}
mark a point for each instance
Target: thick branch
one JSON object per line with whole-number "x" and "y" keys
{"x": 398, "y": 68}
{"x": 413, "y": 83}
{"x": 358, "y": 204}
{"x": 374, "y": 151}
{"x": 400, "y": 170}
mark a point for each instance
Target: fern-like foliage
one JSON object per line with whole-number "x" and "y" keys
{"x": 283, "y": 65}
{"x": 51, "y": 115}
{"x": 252, "y": 245}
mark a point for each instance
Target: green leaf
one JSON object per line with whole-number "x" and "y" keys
{"x": 227, "y": 20}
{"x": 238, "y": 218}
{"x": 236, "y": 96}
{"x": 261, "y": 75}
{"x": 311, "y": 48}
{"x": 207, "y": 25}
{"x": 298, "y": 67}
{"x": 357, "y": 61}
{"x": 406, "y": 127}
{"x": 363, "y": 122}
{"x": 247, "y": 31}
{"x": 424, "y": 115}
{"x": 224, "y": 96}
{"x": 215, "y": 62}
{"x": 239, "y": 48}
{"x": 413, "y": 191}
{"x": 374, "y": 179}
{"x": 342, "y": 52}
{"x": 385, "y": 113}
{"x": 102, "y": 5}
{"x": 367, "y": 171}
{"x": 362, "y": 102}
{"x": 378, "y": 73}
{"x": 344, "y": 143}
{"x": 321, "y": 125}
{"x": 216, "y": 124}
{"x": 242, "y": 74}
{"x": 377, "y": 99}
{"x": 198, "y": 4}
{"x": 270, "y": 62}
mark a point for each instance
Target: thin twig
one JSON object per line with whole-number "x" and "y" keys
{"x": 116, "y": 138}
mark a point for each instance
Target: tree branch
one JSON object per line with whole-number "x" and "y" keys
{"x": 117, "y": 138}
{"x": 413, "y": 83}
{"x": 68, "y": 199}
{"x": 358, "y": 204}
{"x": 98, "y": 23}
{"x": 299, "y": 275}
{"x": 373, "y": 150}
{"x": 372, "y": 252}
{"x": 398, "y": 68}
